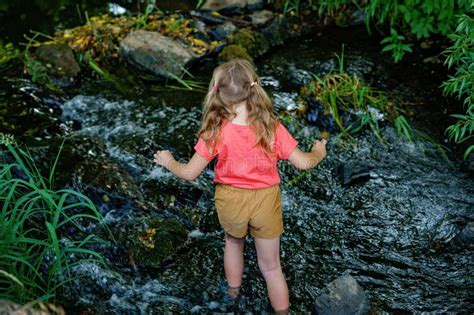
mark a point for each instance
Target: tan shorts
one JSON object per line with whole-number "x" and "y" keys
{"x": 239, "y": 209}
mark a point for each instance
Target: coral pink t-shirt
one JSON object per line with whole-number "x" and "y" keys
{"x": 239, "y": 163}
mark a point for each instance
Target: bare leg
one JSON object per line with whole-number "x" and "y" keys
{"x": 268, "y": 253}
{"x": 234, "y": 263}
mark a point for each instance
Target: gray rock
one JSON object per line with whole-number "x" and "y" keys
{"x": 342, "y": 296}
{"x": 352, "y": 172}
{"x": 156, "y": 53}
{"x": 218, "y": 5}
{"x": 222, "y": 31}
{"x": 262, "y": 17}
{"x": 276, "y": 32}
{"x": 255, "y": 4}
{"x": 357, "y": 18}
{"x": 466, "y": 237}
{"x": 61, "y": 60}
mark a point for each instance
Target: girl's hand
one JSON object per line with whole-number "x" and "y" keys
{"x": 320, "y": 147}
{"x": 163, "y": 157}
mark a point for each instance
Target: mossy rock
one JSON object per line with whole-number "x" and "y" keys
{"x": 149, "y": 241}
{"x": 84, "y": 164}
{"x": 254, "y": 42}
{"x": 234, "y": 52}
{"x": 60, "y": 62}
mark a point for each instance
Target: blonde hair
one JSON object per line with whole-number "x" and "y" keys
{"x": 234, "y": 82}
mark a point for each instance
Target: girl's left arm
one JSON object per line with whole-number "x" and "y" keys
{"x": 187, "y": 171}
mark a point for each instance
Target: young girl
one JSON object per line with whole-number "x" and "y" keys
{"x": 241, "y": 130}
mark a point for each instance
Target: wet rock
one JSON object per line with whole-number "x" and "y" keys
{"x": 260, "y": 18}
{"x": 357, "y": 18}
{"x": 277, "y": 31}
{"x": 316, "y": 115}
{"x": 150, "y": 240}
{"x": 299, "y": 77}
{"x": 232, "y": 5}
{"x": 342, "y": 296}
{"x": 84, "y": 164}
{"x": 28, "y": 112}
{"x": 466, "y": 237}
{"x": 453, "y": 233}
{"x": 222, "y": 31}
{"x": 60, "y": 62}
{"x": 352, "y": 173}
{"x": 255, "y": 5}
{"x": 156, "y": 53}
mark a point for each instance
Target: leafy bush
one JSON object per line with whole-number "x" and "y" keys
{"x": 35, "y": 261}
{"x": 461, "y": 84}
{"x": 421, "y": 18}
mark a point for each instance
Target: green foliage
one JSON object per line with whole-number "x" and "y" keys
{"x": 396, "y": 45}
{"x": 422, "y": 17}
{"x": 35, "y": 261}
{"x": 461, "y": 84}
{"x": 330, "y": 7}
{"x": 403, "y": 127}
{"x": 187, "y": 84}
{"x": 291, "y": 6}
{"x": 7, "y": 53}
{"x": 342, "y": 91}
{"x": 142, "y": 19}
{"x": 200, "y": 3}
{"x": 37, "y": 71}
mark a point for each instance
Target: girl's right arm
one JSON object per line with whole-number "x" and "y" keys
{"x": 306, "y": 160}
{"x": 187, "y": 171}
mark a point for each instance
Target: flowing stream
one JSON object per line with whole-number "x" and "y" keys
{"x": 395, "y": 232}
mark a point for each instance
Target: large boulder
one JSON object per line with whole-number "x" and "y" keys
{"x": 156, "y": 53}
{"x": 343, "y": 296}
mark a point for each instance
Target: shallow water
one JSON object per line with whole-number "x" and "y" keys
{"x": 392, "y": 233}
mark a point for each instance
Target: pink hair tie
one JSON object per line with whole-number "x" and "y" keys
{"x": 215, "y": 88}
{"x": 253, "y": 83}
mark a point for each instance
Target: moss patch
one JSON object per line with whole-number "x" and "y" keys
{"x": 254, "y": 42}
{"x": 234, "y": 52}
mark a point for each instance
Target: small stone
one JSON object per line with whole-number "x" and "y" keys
{"x": 352, "y": 173}
{"x": 105, "y": 199}
{"x": 222, "y": 31}
{"x": 262, "y": 17}
{"x": 342, "y": 296}
{"x": 465, "y": 238}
